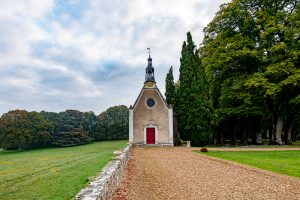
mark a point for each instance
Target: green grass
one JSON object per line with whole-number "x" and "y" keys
{"x": 295, "y": 144}
{"x": 53, "y": 173}
{"x": 283, "y": 162}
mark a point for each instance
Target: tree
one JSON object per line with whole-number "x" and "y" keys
{"x": 113, "y": 124}
{"x": 251, "y": 54}
{"x": 53, "y": 117}
{"x": 69, "y": 130}
{"x": 15, "y": 130}
{"x": 40, "y": 129}
{"x": 89, "y": 123}
{"x": 170, "y": 87}
{"x": 192, "y": 105}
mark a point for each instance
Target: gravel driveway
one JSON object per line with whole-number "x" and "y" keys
{"x": 178, "y": 173}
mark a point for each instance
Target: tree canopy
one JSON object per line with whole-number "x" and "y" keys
{"x": 113, "y": 124}
{"x": 251, "y": 57}
{"x": 23, "y": 130}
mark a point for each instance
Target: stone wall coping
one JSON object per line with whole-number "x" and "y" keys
{"x": 109, "y": 178}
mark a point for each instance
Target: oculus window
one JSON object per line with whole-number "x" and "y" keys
{"x": 150, "y": 102}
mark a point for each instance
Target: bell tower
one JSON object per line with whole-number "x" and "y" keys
{"x": 149, "y": 72}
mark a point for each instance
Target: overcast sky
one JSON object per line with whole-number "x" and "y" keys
{"x": 90, "y": 55}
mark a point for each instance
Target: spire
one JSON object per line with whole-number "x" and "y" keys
{"x": 149, "y": 52}
{"x": 149, "y": 75}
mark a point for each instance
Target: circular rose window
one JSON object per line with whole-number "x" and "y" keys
{"x": 150, "y": 102}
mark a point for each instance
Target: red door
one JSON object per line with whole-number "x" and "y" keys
{"x": 150, "y": 135}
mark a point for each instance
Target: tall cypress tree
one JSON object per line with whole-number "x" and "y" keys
{"x": 170, "y": 87}
{"x": 192, "y": 104}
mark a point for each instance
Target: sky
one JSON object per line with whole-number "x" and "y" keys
{"x": 90, "y": 55}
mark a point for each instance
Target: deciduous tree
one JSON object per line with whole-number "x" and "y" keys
{"x": 40, "y": 129}
{"x": 113, "y": 124}
{"x": 15, "y": 130}
{"x": 251, "y": 54}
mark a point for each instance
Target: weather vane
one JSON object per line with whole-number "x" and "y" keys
{"x": 149, "y": 51}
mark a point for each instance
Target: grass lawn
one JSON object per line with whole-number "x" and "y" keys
{"x": 295, "y": 144}
{"x": 52, "y": 173}
{"x": 283, "y": 162}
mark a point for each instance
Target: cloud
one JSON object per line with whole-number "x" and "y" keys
{"x": 89, "y": 55}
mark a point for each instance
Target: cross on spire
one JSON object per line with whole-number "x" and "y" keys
{"x": 149, "y": 52}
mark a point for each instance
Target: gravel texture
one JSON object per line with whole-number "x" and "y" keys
{"x": 178, "y": 173}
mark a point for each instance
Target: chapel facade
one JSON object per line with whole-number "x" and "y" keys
{"x": 150, "y": 117}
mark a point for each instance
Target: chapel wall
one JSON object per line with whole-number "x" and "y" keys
{"x": 143, "y": 116}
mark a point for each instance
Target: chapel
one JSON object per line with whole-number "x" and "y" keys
{"x": 150, "y": 117}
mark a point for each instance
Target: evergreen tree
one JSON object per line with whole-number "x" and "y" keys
{"x": 69, "y": 131}
{"x": 193, "y": 106}
{"x": 170, "y": 87}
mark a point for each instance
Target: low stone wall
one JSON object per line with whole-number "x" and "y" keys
{"x": 111, "y": 175}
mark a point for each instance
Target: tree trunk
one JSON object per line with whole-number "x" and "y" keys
{"x": 270, "y": 133}
{"x": 259, "y": 138}
{"x": 289, "y": 133}
{"x": 219, "y": 136}
{"x": 233, "y": 136}
{"x": 215, "y": 137}
{"x": 222, "y": 138}
{"x": 244, "y": 138}
{"x": 278, "y": 131}
{"x": 253, "y": 137}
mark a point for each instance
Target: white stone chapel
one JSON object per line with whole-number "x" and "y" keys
{"x": 150, "y": 117}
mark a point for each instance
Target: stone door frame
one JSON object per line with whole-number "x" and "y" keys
{"x": 145, "y": 133}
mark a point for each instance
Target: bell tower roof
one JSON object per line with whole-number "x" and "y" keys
{"x": 149, "y": 72}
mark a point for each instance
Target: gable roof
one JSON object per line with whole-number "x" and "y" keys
{"x": 159, "y": 94}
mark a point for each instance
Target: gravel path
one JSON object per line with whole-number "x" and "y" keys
{"x": 178, "y": 173}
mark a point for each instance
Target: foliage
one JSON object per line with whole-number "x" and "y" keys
{"x": 89, "y": 123}
{"x": 21, "y": 130}
{"x": 53, "y": 117}
{"x": 113, "y": 124}
{"x": 192, "y": 105}
{"x": 40, "y": 130}
{"x": 52, "y": 173}
{"x": 251, "y": 57}
{"x": 69, "y": 130}
{"x": 283, "y": 162}
{"x": 170, "y": 87}
{"x": 15, "y": 129}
